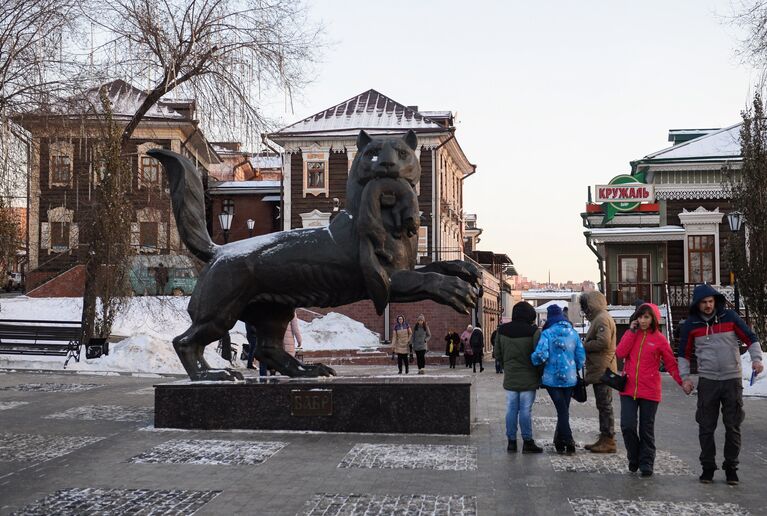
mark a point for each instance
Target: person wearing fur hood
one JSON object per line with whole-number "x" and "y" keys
{"x": 401, "y": 342}
{"x": 600, "y": 344}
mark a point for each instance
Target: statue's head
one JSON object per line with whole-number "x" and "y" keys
{"x": 383, "y": 202}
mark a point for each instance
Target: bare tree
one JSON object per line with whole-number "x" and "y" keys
{"x": 748, "y": 248}
{"x": 224, "y": 54}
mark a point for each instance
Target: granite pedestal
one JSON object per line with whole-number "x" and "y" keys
{"x": 428, "y": 405}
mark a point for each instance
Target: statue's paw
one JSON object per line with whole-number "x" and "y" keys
{"x": 459, "y": 294}
{"x": 316, "y": 370}
{"x": 220, "y": 375}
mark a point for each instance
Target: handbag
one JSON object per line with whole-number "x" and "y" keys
{"x": 614, "y": 380}
{"x": 579, "y": 391}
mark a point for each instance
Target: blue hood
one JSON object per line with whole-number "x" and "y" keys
{"x": 703, "y": 291}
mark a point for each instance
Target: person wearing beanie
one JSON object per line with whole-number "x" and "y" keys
{"x": 600, "y": 343}
{"x": 561, "y": 351}
{"x": 477, "y": 343}
{"x": 514, "y": 342}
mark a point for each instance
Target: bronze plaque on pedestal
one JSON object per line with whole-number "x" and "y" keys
{"x": 311, "y": 402}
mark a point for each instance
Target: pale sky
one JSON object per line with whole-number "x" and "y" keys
{"x": 550, "y": 97}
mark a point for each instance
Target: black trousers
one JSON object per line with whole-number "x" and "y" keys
{"x": 420, "y": 358}
{"x": 402, "y": 359}
{"x": 640, "y": 446}
{"x": 603, "y": 395}
{"x": 477, "y": 360}
{"x": 451, "y": 359}
{"x": 713, "y": 394}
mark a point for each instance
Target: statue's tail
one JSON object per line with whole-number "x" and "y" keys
{"x": 188, "y": 199}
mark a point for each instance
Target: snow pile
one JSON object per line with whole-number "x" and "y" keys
{"x": 336, "y": 331}
{"x": 760, "y": 383}
{"x": 149, "y": 324}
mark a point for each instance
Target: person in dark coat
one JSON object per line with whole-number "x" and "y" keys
{"x": 498, "y": 363}
{"x": 452, "y": 345}
{"x": 160, "y": 278}
{"x": 513, "y": 344}
{"x": 477, "y": 343}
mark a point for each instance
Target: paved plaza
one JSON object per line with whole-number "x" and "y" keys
{"x": 76, "y": 444}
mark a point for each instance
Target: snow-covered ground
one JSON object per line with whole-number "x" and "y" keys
{"x": 760, "y": 382}
{"x": 148, "y": 325}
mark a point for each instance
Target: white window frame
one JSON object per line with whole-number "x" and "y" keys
{"x": 56, "y": 149}
{"x": 315, "y": 155}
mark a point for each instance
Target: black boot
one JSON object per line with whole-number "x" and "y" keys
{"x": 732, "y": 476}
{"x": 529, "y": 446}
{"x": 512, "y": 446}
{"x": 570, "y": 448}
{"x": 707, "y": 476}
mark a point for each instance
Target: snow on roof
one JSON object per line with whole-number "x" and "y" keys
{"x": 125, "y": 99}
{"x": 723, "y": 143}
{"x": 545, "y": 306}
{"x": 547, "y": 294}
{"x": 266, "y": 161}
{"x": 368, "y": 110}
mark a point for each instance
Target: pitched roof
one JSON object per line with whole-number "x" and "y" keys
{"x": 125, "y": 99}
{"x": 720, "y": 144}
{"x": 369, "y": 110}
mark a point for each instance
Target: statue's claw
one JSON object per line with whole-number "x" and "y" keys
{"x": 219, "y": 375}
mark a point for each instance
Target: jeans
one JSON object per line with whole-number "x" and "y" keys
{"x": 603, "y": 395}
{"x": 519, "y": 405}
{"x": 561, "y": 397}
{"x": 250, "y": 334}
{"x": 420, "y": 358}
{"x": 402, "y": 359}
{"x": 640, "y": 446}
{"x": 711, "y": 395}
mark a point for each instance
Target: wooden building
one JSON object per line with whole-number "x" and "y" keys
{"x": 64, "y": 175}
{"x": 659, "y": 247}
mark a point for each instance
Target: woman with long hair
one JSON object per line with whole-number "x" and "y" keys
{"x": 419, "y": 340}
{"x": 401, "y": 342}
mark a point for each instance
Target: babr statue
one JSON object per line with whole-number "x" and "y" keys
{"x": 367, "y": 252}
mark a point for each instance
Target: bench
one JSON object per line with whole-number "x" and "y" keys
{"x": 22, "y": 337}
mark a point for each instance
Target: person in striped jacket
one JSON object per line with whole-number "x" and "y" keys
{"x": 714, "y": 334}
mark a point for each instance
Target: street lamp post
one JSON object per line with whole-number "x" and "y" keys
{"x": 225, "y": 219}
{"x": 735, "y": 220}
{"x": 251, "y": 224}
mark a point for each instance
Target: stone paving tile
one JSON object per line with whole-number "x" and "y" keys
{"x": 52, "y": 387}
{"x": 35, "y": 448}
{"x": 117, "y": 502}
{"x": 411, "y": 456}
{"x": 603, "y": 507}
{"x": 7, "y": 405}
{"x": 327, "y": 504}
{"x": 210, "y": 451}
{"x": 105, "y": 412}
{"x": 577, "y": 424}
{"x": 665, "y": 463}
{"x": 144, "y": 391}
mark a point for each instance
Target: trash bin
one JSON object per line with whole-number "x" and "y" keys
{"x": 96, "y": 347}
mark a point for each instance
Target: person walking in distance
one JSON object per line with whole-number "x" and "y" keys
{"x": 160, "y": 278}
{"x": 466, "y": 345}
{"x": 514, "y": 343}
{"x": 452, "y": 345}
{"x": 600, "y": 355}
{"x": 713, "y": 333}
{"x": 401, "y": 343}
{"x": 642, "y": 348}
{"x": 419, "y": 340}
{"x": 477, "y": 343}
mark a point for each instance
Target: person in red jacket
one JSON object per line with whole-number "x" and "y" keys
{"x": 642, "y": 348}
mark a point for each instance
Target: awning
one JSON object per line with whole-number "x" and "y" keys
{"x": 271, "y": 198}
{"x": 635, "y": 234}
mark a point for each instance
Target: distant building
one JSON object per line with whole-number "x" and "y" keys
{"x": 64, "y": 176}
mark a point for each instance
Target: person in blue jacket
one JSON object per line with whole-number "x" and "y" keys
{"x": 561, "y": 350}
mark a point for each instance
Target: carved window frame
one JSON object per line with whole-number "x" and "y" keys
{"x": 58, "y": 151}
{"x": 149, "y": 216}
{"x": 316, "y": 156}
{"x": 142, "y": 157}
{"x": 56, "y": 216}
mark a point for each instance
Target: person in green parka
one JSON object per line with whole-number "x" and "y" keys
{"x": 515, "y": 341}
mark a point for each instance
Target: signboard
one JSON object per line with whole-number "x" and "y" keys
{"x": 625, "y": 194}
{"x": 317, "y": 402}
